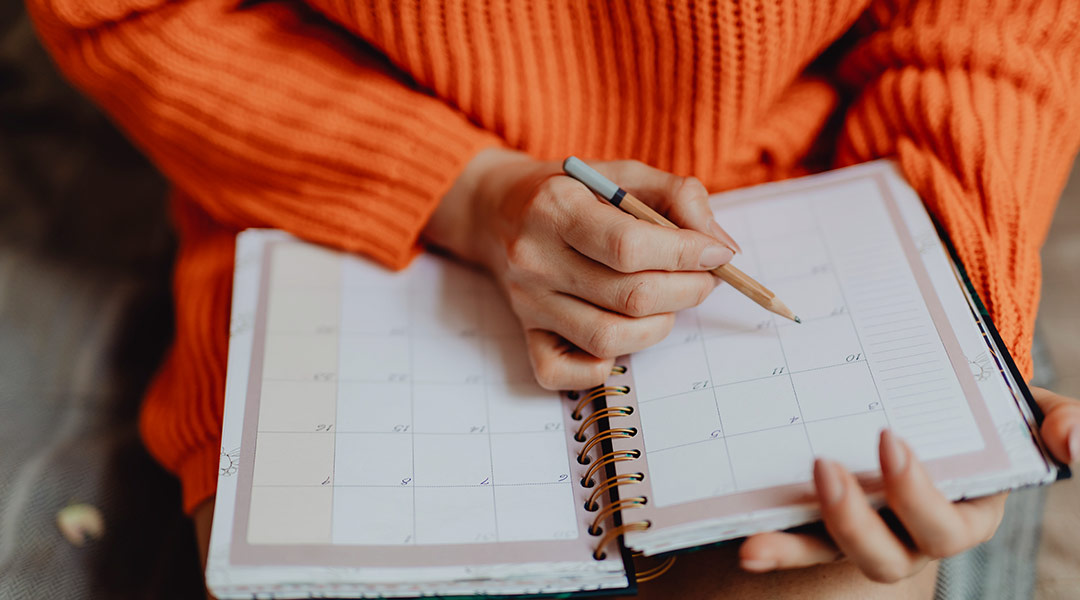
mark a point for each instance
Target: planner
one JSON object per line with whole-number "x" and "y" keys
{"x": 383, "y": 434}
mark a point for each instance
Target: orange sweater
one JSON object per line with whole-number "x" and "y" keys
{"x": 344, "y": 121}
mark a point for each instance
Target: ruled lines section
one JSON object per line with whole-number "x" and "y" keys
{"x": 922, "y": 396}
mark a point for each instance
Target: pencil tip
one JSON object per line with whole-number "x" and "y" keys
{"x": 797, "y": 319}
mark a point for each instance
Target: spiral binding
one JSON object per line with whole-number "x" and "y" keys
{"x": 594, "y": 478}
{"x": 605, "y": 460}
{"x": 599, "y": 392}
{"x": 653, "y": 572}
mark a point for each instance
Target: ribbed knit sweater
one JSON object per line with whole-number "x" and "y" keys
{"x": 345, "y": 121}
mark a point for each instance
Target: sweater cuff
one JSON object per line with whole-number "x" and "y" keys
{"x": 389, "y": 230}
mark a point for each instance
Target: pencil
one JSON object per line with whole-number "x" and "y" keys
{"x": 620, "y": 198}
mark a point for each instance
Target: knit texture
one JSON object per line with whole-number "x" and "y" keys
{"x": 344, "y": 122}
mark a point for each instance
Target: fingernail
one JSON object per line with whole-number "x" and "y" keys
{"x": 1074, "y": 445}
{"x": 893, "y": 455}
{"x": 758, "y": 566}
{"x": 829, "y": 483}
{"x": 714, "y": 256}
{"x": 718, "y": 232}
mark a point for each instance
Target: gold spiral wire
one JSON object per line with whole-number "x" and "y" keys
{"x": 593, "y": 394}
{"x": 603, "y": 413}
{"x": 656, "y": 571}
{"x": 614, "y": 533}
{"x": 600, "y": 436}
{"x": 614, "y": 481}
{"x": 608, "y": 459}
{"x": 613, "y": 508}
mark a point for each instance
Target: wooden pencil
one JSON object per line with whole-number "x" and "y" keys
{"x": 620, "y": 198}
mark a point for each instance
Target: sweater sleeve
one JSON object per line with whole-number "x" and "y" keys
{"x": 979, "y": 100}
{"x": 267, "y": 116}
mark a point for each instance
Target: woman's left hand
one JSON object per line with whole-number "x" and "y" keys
{"x": 932, "y": 526}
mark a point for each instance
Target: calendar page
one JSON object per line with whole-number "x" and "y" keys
{"x": 736, "y": 403}
{"x": 384, "y": 434}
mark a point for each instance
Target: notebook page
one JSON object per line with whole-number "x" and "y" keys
{"x": 736, "y": 402}
{"x": 392, "y": 421}
{"x": 1009, "y": 411}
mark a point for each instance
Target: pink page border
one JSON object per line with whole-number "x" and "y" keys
{"x": 241, "y": 552}
{"x": 991, "y": 457}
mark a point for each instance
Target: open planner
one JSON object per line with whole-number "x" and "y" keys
{"x": 384, "y": 435}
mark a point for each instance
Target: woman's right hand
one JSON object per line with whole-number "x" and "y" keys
{"x": 587, "y": 281}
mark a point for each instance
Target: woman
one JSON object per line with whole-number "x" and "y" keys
{"x": 369, "y": 125}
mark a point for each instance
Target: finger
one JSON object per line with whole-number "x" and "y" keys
{"x": 558, "y": 365}
{"x": 618, "y": 240}
{"x": 1061, "y": 427}
{"x": 601, "y": 333}
{"x": 938, "y": 527}
{"x": 857, "y": 529}
{"x": 637, "y": 294}
{"x": 683, "y": 200}
{"x": 1048, "y": 400}
{"x": 782, "y": 550}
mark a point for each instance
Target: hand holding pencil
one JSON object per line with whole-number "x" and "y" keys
{"x": 620, "y": 198}
{"x": 587, "y": 282}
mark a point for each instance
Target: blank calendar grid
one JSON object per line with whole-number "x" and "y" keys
{"x": 393, "y": 417}
{"x": 750, "y": 399}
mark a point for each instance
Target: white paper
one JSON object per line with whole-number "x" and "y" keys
{"x": 771, "y": 395}
{"x": 396, "y": 410}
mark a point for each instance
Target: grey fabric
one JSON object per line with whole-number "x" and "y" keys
{"x": 1004, "y": 567}
{"x": 84, "y": 319}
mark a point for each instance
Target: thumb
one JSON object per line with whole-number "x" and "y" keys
{"x": 1061, "y": 428}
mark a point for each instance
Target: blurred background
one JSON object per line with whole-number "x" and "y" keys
{"x": 85, "y": 316}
